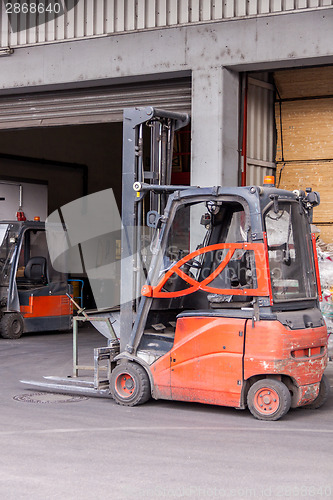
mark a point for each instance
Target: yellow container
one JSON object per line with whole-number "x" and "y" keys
{"x": 76, "y": 292}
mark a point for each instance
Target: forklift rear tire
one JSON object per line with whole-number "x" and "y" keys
{"x": 11, "y": 326}
{"x": 129, "y": 384}
{"x": 324, "y": 391}
{"x": 268, "y": 399}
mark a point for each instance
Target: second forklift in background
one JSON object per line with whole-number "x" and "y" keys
{"x": 32, "y": 293}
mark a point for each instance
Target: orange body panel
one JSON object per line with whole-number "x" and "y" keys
{"x": 274, "y": 349}
{"x": 161, "y": 372}
{"x": 48, "y": 305}
{"x": 205, "y": 364}
{"x": 212, "y": 357}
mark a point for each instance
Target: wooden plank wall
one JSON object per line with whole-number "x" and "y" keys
{"x": 306, "y": 159}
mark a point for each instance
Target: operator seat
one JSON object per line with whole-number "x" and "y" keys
{"x": 35, "y": 271}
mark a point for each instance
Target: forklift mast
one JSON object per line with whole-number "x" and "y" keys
{"x": 158, "y": 126}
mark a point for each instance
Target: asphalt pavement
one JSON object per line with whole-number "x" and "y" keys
{"x": 76, "y": 447}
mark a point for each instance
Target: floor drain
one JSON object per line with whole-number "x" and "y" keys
{"x": 47, "y": 398}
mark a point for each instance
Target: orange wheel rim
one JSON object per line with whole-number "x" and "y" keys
{"x": 266, "y": 401}
{"x": 125, "y": 385}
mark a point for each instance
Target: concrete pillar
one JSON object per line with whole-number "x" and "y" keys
{"x": 215, "y": 117}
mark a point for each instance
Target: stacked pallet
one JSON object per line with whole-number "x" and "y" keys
{"x": 305, "y": 155}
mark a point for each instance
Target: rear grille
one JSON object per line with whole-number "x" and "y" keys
{"x": 309, "y": 352}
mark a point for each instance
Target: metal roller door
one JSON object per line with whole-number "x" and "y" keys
{"x": 259, "y": 135}
{"x": 93, "y": 105}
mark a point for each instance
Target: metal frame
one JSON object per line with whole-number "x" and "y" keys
{"x": 110, "y": 344}
{"x": 99, "y": 385}
{"x": 100, "y": 353}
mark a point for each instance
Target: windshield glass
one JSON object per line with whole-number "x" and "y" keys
{"x": 8, "y": 239}
{"x": 207, "y": 224}
{"x": 290, "y": 253}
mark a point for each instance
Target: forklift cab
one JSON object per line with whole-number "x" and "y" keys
{"x": 234, "y": 251}
{"x": 32, "y": 294}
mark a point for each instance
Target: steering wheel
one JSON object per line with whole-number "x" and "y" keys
{"x": 192, "y": 263}
{"x": 175, "y": 282}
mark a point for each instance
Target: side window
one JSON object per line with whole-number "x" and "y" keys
{"x": 33, "y": 245}
{"x": 230, "y": 226}
{"x": 38, "y": 245}
{"x": 237, "y": 231}
{"x": 290, "y": 253}
{"x": 207, "y": 224}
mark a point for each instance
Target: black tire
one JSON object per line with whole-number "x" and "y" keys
{"x": 11, "y": 326}
{"x": 268, "y": 399}
{"x": 324, "y": 391}
{"x": 129, "y": 384}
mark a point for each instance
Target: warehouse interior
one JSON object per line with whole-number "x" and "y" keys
{"x": 70, "y": 153}
{"x": 72, "y": 139}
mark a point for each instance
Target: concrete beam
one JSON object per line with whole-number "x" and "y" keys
{"x": 276, "y": 41}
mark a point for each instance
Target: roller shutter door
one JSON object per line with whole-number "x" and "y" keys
{"x": 260, "y": 130}
{"x": 94, "y": 105}
{"x": 305, "y": 155}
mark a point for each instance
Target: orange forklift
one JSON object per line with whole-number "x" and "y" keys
{"x": 32, "y": 294}
{"x": 229, "y": 311}
{"x": 220, "y": 288}
{"x": 229, "y": 315}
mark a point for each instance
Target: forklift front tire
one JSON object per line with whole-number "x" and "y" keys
{"x": 11, "y": 326}
{"x": 129, "y": 384}
{"x": 268, "y": 399}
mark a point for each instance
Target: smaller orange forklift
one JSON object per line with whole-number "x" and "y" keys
{"x": 32, "y": 294}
